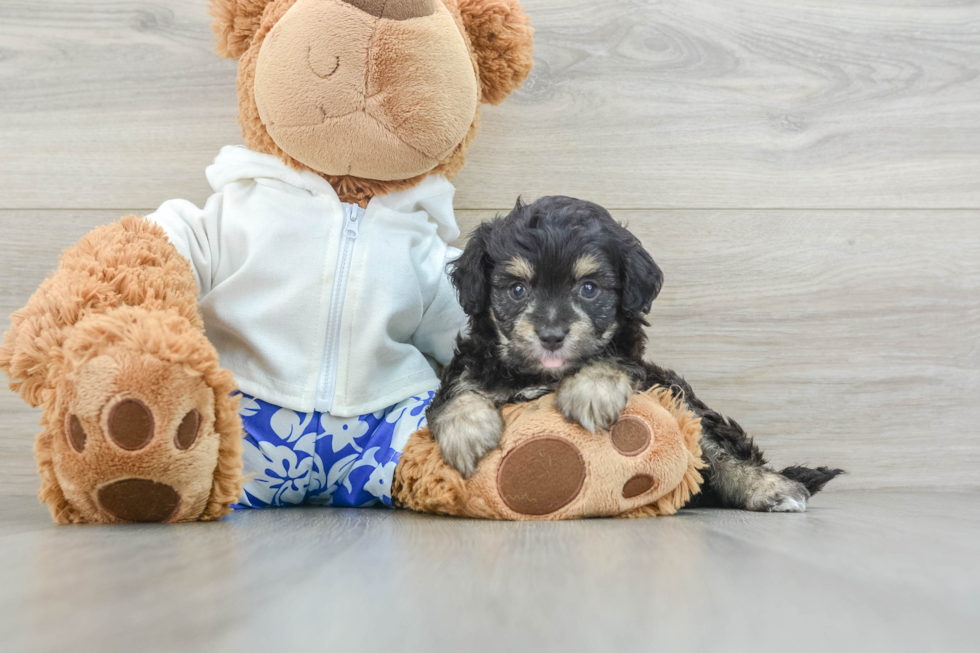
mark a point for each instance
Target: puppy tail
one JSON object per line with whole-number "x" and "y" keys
{"x": 813, "y": 478}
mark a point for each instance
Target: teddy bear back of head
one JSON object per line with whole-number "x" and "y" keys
{"x": 373, "y": 95}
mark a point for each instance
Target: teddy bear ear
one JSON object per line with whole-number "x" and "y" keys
{"x": 503, "y": 39}
{"x": 235, "y": 23}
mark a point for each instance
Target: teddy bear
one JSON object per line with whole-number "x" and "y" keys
{"x": 280, "y": 344}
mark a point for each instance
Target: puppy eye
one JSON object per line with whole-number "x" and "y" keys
{"x": 589, "y": 290}
{"x": 518, "y": 291}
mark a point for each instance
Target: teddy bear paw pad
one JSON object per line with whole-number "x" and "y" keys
{"x": 541, "y": 475}
{"x": 139, "y": 500}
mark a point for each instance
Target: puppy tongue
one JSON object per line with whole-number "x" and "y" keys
{"x": 552, "y": 363}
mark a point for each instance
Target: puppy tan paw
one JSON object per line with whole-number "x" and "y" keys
{"x": 594, "y": 397}
{"x": 467, "y": 428}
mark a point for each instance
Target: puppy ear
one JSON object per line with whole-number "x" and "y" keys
{"x": 470, "y": 272}
{"x": 641, "y": 279}
{"x": 235, "y": 23}
{"x": 503, "y": 39}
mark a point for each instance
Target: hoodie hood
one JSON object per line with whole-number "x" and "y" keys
{"x": 434, "y": 195}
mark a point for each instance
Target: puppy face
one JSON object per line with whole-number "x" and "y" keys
{"x": 552, "y": 312}
{"x": 554, "y": 281}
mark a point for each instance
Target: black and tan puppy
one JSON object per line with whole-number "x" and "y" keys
{"x": 556, "y": 292}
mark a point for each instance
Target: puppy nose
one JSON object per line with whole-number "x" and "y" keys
{"x": 395, "y": 9}
{"x": 552, "y": 338}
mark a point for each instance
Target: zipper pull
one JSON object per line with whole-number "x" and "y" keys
{"x": 354, "y": 213}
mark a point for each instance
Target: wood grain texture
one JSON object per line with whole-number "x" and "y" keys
{"x": 861, "y": 571}
{"x": 632, "y": 103}
{"x": 840, "y": 338}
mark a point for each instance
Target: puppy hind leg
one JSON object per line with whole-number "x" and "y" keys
{"x": 738, "y": 475}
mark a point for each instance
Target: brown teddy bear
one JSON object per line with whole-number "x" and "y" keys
{"x": 317, "y": 272}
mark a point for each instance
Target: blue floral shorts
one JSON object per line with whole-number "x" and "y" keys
{"x": 315, "y": 458}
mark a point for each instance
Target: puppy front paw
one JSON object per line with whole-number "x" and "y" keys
{"x": 594, "y": 397}
{"x": 467, "y": 428}
{"x": 776, "y": 493}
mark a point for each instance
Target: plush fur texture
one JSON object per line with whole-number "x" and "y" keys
{"x": 235, "y": 23}
{"x": 500, "y": 51}
{"x": 557, "y": 292}
{"x": 671, "y": 460}
{"x": 117, "y": 320}
{"x": 502, "y": 38}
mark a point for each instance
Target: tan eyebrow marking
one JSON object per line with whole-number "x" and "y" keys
{"x": 585, "y": 266}
{"x": 520, "y": 268}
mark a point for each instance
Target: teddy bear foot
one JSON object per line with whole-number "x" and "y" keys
{"x": 547, "y": 468}
{"x": 139, "y": 443}
{"x": 133, "y": 437}
{"x": 131, "y": 427}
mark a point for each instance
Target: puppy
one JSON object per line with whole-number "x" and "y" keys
{"x": 556, "y": 292}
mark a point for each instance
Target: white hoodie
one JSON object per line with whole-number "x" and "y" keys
{"x": 314, "y": 304}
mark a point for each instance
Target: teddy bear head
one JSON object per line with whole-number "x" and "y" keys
{"x": 374, "y": 95}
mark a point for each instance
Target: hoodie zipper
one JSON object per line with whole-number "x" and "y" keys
{"x": 327, "y": 385}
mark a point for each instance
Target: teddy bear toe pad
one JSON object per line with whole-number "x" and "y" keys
{"x": 76, "y": 433}
{"x": 637, "y": 485}
{"x": 130, "y": 424}
{"x": 188, "y": 430}
{"x": 630, "y": 436}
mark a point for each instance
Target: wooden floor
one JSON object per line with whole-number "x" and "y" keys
{"x": 861, "y": 571}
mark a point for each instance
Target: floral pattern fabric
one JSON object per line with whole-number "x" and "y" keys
{"x": 294, "y": 458}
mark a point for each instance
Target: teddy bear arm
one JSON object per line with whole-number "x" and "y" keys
{"x": 122, "y": 305}
{"x": 127, "y": 263}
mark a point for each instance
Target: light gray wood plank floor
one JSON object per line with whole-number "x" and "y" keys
{"x": 861, "y": 571}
